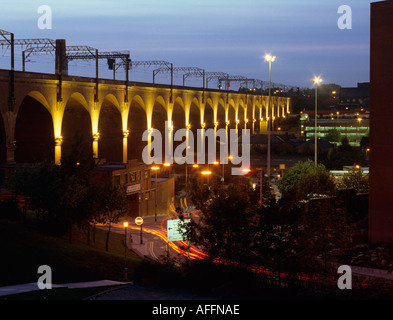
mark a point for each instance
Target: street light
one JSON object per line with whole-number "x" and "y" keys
{"x": 155, "y": 194}
{"x": 194, "y": 166}
{"x": 358, "y": 129}
{"x": 367, "y": 154}
{"x": 245, "y": 171}
{"x": 317, "y": 81}
{"x": 359, "y": 168}
{"x": 207, "y": 173}
{"x": 125, "y": 224}
{"x": 269, "y": 58}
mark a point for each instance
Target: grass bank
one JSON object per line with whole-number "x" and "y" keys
{"x": 24, "y": 248}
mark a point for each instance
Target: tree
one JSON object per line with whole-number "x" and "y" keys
{"x": 200, "y": 192}
{"x": 304, "y": 180}
{"x": 345, "y": 146}
{"x": 355, "y": 179}
{"x": 333, "y": 135}
{"x": 58, "y": 192}
{"x": 113, "y": 205}
{"x": 326, "y": 232}
{"x": 273, "y": 245}
{"x": 223, "y": 230}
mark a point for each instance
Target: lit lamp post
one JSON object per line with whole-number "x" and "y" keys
{"x": 359, "y": 175}
{"x": 357, "y": 131}
{"x": 223, "y": 169}
{"x": 316, "y": 81}
{"x": 367, "y": 154}
{"x": 194, "y": 166}
{"x": 155, "y": 169}
{"x": 207, "y": 173}
{"x": 269, "y": 58}
{"x": 125, "y": 224}
{"x": 140, "y": 201}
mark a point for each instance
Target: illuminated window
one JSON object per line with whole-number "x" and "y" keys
{"x": 132, "y": 176}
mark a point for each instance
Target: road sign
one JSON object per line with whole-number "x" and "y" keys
{"x": 139, "y": 221}
{"x": 175, "y": 229}
{"x": 282, "y": 166}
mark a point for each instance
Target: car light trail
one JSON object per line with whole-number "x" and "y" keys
{"x": 193, "y": 252}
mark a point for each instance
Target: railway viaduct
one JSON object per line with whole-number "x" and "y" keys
{"x": 46, "y": 115}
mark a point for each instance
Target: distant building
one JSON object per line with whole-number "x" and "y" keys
{"x": 354, "y": 98}
{"x": 352, "y": 126}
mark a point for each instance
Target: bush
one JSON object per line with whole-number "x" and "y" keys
{"x": 9, "y": 209}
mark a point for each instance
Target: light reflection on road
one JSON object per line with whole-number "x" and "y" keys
{"x": 180, "y": 247}
{"x": 195, "y": 253}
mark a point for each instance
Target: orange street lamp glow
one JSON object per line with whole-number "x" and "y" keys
{"x": 155, "y": 168}
{"x": 167, "y": 164}
{"x": 125, "y": 224}
{"x": 205, "y": 173}
{"x": 195, "y": 165}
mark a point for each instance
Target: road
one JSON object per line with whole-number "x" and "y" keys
{"x": 152, "y": 241}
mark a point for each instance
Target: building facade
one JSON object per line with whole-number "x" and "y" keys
{"x": 353, "y": 127}
{"x": 381, "y": 129}
{"x": 139, "y": 183}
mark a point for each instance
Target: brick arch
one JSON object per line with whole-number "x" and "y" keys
{"x": 34, "y": 133}
{"x": 221, "y": 114}
{"x": 76, "y": 127}
{"x": 110, "y": 127}
{"x": 178, "y": 113}
{"x": 232, "y": 114}
{"x": 208, "y": 113}
{"x": 136, "y": 124}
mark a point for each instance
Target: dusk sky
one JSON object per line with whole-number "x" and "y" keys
{"x": 227, "y": 36}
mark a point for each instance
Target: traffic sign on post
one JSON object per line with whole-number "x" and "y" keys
{"x": 139, "y": 221}
{"x": 176, "y": 228}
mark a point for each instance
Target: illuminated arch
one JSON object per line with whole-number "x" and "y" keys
{"x": 40, "y": 98}
{"x": 79, "y": 97}
{"x": 34, "y": 133}
{"x": 221, "y": 114}
{"x": 110, "y": 129}
{"x": 178, "y": 113}
{"x": 208, "y": 114}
